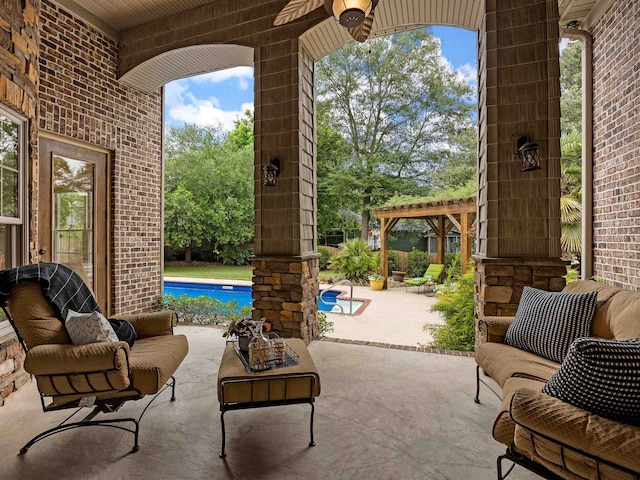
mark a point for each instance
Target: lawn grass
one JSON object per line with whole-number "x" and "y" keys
{"x": 224, "y": 272}
{"x": 211, "y": 270}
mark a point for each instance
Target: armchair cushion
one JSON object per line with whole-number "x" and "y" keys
{"x": 547, "y": 323}
{"x": 154, "y": 359}
{"x": 86, "y": 328}
{"x": 151, "y": 324}
{"x": 601, "y": 377}
{"x": 68, "y": 369}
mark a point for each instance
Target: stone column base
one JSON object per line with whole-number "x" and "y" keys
{"x": 12, "y": 374}
{"x": 499, "y": 282}
{"x": 285, "y": 293}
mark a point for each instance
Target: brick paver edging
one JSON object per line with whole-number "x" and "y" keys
{"x": 442, "y": 351}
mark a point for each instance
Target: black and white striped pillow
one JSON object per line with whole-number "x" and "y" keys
{"x": 601, "y": 377}
{"x": 547, "y": 323}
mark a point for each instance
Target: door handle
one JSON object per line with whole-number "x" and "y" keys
{"x": 42, "y": 251}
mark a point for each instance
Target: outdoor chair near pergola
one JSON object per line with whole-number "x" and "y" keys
{"x": 440, "y": 215}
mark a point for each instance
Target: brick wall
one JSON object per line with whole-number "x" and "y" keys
{"x": 616, "y": 159}
{"x": 80, "y": 98}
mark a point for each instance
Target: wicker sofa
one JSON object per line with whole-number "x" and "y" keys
{"x": 542, "y": 433}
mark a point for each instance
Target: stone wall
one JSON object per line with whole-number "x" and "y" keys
{"x": 616, "y": 157}
{"x": 285, "y": 293}
{"x": 19, "y": 39}
{"x": 12, "y": 375}
{"x": 80, "y": 98}
{"x": 500, "y": 283}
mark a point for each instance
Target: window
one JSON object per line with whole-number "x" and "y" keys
{"x": 13, "y": 147}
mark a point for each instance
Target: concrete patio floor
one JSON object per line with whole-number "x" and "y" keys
{"x": 382, "y": 414}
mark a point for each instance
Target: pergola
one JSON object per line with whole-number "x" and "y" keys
{"x": 440, "y": 215}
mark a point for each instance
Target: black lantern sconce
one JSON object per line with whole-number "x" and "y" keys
{"x": 528, "y": 153}
{"x": 271, "y": 172}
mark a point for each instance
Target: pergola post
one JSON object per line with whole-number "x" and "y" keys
{"x": 465, "y": 242}
{"x": 441, "y": 234}
{"x": 386, "y": 225}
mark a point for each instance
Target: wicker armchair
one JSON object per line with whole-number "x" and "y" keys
{"x": 102, "y": 375}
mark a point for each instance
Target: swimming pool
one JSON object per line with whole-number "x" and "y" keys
{"x": 242, "y": 295}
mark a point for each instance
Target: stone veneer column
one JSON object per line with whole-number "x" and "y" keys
{"x": 19, "y": 53}
{"x": 518, "y": 231}
{"x": 285, "y": 264}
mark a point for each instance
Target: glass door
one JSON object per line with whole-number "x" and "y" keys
{"x": 73, "y": 210}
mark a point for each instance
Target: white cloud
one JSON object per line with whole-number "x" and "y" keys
{"x": 469, "y": 74}
{"x": 207, "y": 112}
{"x": 242, "y": 74}
{"x": 563, "y": 44}
{"x": 182, "y": 104}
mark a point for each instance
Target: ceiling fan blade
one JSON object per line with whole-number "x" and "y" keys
{"x": 362, "y": 32}
{"x": 296, "y": 9}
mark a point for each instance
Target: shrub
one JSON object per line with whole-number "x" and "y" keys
{"x": 204, "y": 310}
{"x": 236, "y": 254}
{"x": 417, "y": 263}
{"x": 393, "y": 261}
{"x": 325, "y": 325}
{"x": 456, "y": 303}
{"x": 325, "y": 258}
{"x": 452, "y": 269}
{"x": 355, "y": 262}
{"x": 572, "y": 275}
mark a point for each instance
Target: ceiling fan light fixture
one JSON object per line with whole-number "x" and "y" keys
{"x": 351, "y": 13}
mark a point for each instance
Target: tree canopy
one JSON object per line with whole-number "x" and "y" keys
{"x": 391, "y": 113}
{"x": 571, "y": 88}
{"x": 209, "y": 191}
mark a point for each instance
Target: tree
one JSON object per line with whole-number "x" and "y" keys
{"x": 399, "y": 108}
{"x": 209, "y": 192}
{"x": 571, "y": 88}
{"x": 571, "y": 189}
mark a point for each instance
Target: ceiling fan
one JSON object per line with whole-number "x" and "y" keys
{"x": 355, "y": 15}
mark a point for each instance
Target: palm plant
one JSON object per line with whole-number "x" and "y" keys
{"x": 355, "y": 262}
{"x": 571, "y": 187}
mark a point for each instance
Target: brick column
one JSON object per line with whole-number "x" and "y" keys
{"x": 518, "y": 230}
{"x": 285, "y": 265}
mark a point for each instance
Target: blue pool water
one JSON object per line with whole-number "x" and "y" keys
{"x": 242, "y": 294}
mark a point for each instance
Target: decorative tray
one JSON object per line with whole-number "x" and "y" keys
{"x": 289, "y": 359}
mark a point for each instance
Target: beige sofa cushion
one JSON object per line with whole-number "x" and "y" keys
{"x": 601, "y": 321}
{"x": 623, "y": 316}
{"x": 501, "y": 362}
{"x": 606, "y": 439}
{"x": 503, "y": 426}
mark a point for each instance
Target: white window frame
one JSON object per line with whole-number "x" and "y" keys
{"x": 18, "y": 255}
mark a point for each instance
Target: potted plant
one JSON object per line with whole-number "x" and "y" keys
{"x": 376, "y": 281}
{"x": 397, "y": 275}
{"x": 245, "y": 329}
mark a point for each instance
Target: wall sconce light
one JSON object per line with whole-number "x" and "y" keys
{"x": 350, "y": 13}
{"x": 271, "y": 172}
{"x": 528, "y": 153}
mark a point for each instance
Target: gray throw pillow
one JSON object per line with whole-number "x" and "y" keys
{"x": 91, "y": 327}
{"x": 547, "y": 323}
{"x": 601, "y": 377}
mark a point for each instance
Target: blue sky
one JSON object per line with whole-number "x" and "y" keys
{"x": 219, "y": 98}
